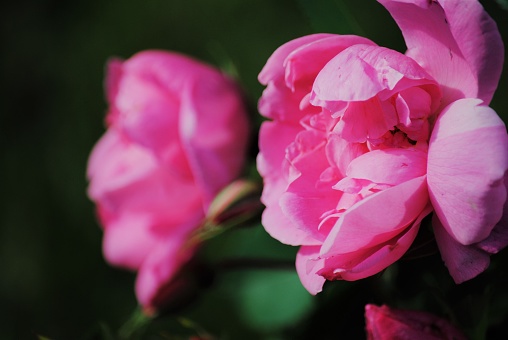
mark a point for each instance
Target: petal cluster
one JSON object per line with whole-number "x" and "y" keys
{"x": 363, "y": 142}
{"x": 177, "y": 133}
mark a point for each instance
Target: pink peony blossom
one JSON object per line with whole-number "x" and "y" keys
{"x": 385, "y": 323}
{"x": 363, "y": 142}
{"x": 177, "y": 133}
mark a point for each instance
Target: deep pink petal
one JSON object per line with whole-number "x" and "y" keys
{"x": 214, "y": 132}
{"x": 340, "y": 153}
{"x": 128, "y": 240}
{"x": 306, "y": 266}
{"x": 274, "y": 138}
{"x": 455, "y": 41}
{"x": 308, "y": 160}
{"x": 160, "y": 269}
{"x": 147, "y": 113}
{"x": 111, "y": 84}
{"x": 273, "y": 68}
{"x": 280, "y": 103}
{"x": 464, "y": 262}
{"x": 306, "y": 61}
{"x": 305, "y": 201}
{"x": 468, "y": 158}
{"x": 126, "y": 179}
{"x": 377, "y": 218}
{"x": 291, "y": 70}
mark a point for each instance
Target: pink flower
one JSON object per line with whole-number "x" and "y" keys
{"x": 177, "y": 133}
{"x": 384, "y": 323}
{"x": 364, "y": 142}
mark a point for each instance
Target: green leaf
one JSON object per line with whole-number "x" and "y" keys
{"x": 269, "y": 300}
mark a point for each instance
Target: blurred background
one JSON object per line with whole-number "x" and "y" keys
{"x": 53, "y": 279}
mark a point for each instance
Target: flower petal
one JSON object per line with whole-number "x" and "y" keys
{"x": 377, "y": 218}
{"x": 464, "y": 262}
{"x": 291, "y": 70}
{"x": 370, "y": 261}
{"x": 273, "y": 68}
{"x": 284, "y": 230}
{"x": 128, "y": 240}
{"x": 274, "y": 137}
{"x": 389, "y": 166}
{"x": 468, "y": 158}
{"x": 213, "y": 129}
{"x": 160, "y": 269}
{"x": 455, "y": 41}
{"x": 305, "y": 267}
{"x": 362, "y": 71}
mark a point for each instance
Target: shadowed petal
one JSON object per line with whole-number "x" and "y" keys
{"x": 463, "y": 262}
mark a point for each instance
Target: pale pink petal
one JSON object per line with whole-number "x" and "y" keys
{"x": 115, "y": 163}
{"x": 307, "y": 211}
{"x": 307, "y": 264}
{"x": 377, "y": 218}
{"x": 361, "y": 72}
{"x": 464, "y": 262}
{"x": 366, "y": 120}
{"x": 283, "y": 229}
{"x": 455, "y": 41}
{"x": 370, "y": 261}
{"x": 128, "y": 240}
{"x": 389, "y": 166}
{"x": 468, "y": 158}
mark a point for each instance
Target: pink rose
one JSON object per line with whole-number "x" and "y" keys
{"x": 364, "y": 142}
{"x": 385, "y": 323}
{"x": 177, "y": 133}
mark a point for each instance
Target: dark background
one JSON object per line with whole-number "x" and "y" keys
{"x": 53, "y": 279}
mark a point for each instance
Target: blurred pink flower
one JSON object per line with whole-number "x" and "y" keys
{"x": 364, "y": 142}
{"x": 177, "y": 134}
{"x": 385, "y": 323}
